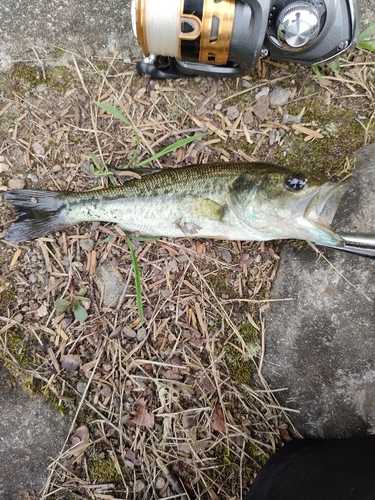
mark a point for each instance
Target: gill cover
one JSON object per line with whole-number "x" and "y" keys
{"x": 280, "y": 203}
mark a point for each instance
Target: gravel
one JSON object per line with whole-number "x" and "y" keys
{"x": 16, "y": 183}
{"x": 279, "y": 97}
{"x": 233, "y": 113}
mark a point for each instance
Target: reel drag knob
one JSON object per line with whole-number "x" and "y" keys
{"x": 297, "y": 25}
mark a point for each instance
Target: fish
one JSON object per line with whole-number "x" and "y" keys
{"x": 227, "y": 201}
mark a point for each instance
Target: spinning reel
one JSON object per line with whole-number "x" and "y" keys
{"x": 181, "y": 38}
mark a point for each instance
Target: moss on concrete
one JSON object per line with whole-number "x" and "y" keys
{"x": 24, "y": 78}
{"x": 20, "y": 359}
{"x": 343, "y": 137}
{"x": 6, "y": 123}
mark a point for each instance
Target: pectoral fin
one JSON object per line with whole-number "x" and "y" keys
{"x": 203, "y": 208}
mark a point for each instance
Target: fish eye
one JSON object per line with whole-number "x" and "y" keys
{"x": 295, "y": 181}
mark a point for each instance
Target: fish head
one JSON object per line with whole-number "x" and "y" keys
{"x": 282, "y": 203}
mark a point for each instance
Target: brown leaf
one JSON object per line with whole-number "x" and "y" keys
{"x": 198, "y": 342}
{"x": 38, "y": 149}
{"x": 245, "y": 259}
{"x": 184, "y": 448}
{"x": 218, "y": 422}
{"x": 189, "y": 421}
{"x": 208, "y": 386}
{"x": 131, "y": 455}
{"x": 248, "y": 116}
{"x": 200, "y": 248}
{"x": 261, "y": 107}
{"x": 176, "y": 360}
{"x": 80, "y": 440}
{"x": 172, "y": 375}
{"x": 284, "y": 433}
{"x": 71, "y": 362}
{"x": 142, "y": 416}
{"x": 188, "y": 228}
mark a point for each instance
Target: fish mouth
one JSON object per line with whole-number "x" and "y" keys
{"x": 323, "y": 205}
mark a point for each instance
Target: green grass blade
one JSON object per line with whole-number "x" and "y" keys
{"x": 141, "y": 238}
{"x": 137, "y": 278}
{"x": 367, "y": 38}
{"x": 102, "y": 169}
{"x": 132, "y": 159}
{"x": 317, "y": 72}
{"x": 367, "y": 46}
{"x": 370, "y": 30}
{"x": 172, "y": 147}
{"x": 96, "y": 160}
{"x": 335, "y": 65}
{"x": 112, "y": 111}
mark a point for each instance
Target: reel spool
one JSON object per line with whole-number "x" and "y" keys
{"x": 195, "y": 31}
{"x": 181, "y": 38}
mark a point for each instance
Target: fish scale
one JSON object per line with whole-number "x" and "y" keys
{"x": 233, "y": 201}
{"x": 197, "y": 178}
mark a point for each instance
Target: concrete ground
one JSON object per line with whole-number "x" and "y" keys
{"x": 35, "y": 31}
{"x": 321, "y": 345}
{"x": 31, "y": 433}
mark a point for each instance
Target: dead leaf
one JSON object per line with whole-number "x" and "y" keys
{"x": 218, "y": 422}
{"x": 184, "y": 448}
{"x": 245, "y": 259}
{"x": 189, "y": 421}
{"x": 208, "y": 386}
{"x": 284, "y": 433}
{"x": 172, "y": 375}
{"x": 131, "y": 455}
{"x": 248, "y": 116}
{"x": 180, "y": 365}
{"x": 42, "y": 311}
{"x": 142, "y": 416}
{"x": 261, "y": 107}
{"x": 80, "y": 440}
{"x": 71, "y": 362}
{"x": 200, "y": 248}
{"x": 172, "y": 264}
{"x": 38, "y": 149}
{"x": 188, "y": 228}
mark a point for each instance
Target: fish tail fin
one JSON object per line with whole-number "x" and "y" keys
{"x": 39, "y": 213}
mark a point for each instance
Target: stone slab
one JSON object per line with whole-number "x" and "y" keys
{"x": 32, "y": 433}
{"x": 321, "y": 345}
{"x": 33, "y": 31}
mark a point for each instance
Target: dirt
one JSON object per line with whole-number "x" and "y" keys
{"x": 168, "y": 401}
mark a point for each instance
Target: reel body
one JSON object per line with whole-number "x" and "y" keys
{"x": 225, "y": 38}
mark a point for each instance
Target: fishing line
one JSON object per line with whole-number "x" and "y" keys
{"x": 162, "y": 26}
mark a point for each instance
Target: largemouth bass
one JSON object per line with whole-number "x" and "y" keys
{"x": 240, "y": 201}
